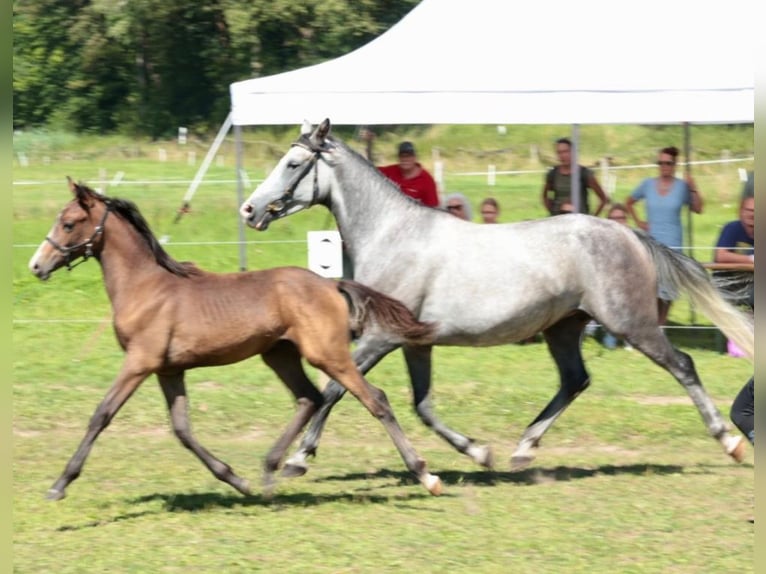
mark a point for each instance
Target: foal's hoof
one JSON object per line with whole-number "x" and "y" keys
{"x": 736, "y": 448}
{"x": 520, "y": 462}
{"x": 293, "y": 469}
{"x": 55, "y": 494}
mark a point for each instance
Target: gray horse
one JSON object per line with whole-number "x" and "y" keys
{"x": 493, "y": 284}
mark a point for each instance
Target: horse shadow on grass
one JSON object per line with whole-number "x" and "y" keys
{"x": 529, "y": 476}
{"x": 204, "y": 501}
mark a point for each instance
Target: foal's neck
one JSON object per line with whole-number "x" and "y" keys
{"x": 126, "y": 261}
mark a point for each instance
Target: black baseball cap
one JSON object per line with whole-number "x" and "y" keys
{"x": 406, "y": 148}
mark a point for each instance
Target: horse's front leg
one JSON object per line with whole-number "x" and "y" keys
{"x": 419, "y": 365}
{"x": 174, "y": 389}
{"x": 366, "y": 355}
{"x": 127, "y": 381}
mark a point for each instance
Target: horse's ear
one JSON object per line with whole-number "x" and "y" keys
{"x": 306, "y": 128}
{"x": 319, "y": 137}
{"x": 324, "y": 129}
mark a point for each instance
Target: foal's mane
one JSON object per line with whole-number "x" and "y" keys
{"x": 128, "y": 211}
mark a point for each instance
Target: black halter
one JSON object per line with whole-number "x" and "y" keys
{"x": 280, "y": 205}
{"x": 88, "y": 243}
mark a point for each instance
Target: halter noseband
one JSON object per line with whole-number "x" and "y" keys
{"x": 280, "y": 205}
{"x": 88, "y": 243}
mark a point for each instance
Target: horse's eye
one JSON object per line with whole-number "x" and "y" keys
{"x": 68, "y": 226}
{"x": 292, "y": 164}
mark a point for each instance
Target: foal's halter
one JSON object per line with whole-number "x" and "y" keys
{"x": 88, "y": 243}
{"x": 279, "y": 206}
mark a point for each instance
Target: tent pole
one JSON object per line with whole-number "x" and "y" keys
{"x": 240, "y": 198}
{"x": 225, "y": 127}
{"x": 689, "y": 229}
{"x": 575, "y": 170}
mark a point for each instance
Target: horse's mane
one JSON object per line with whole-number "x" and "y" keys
{"x": 130, "y": 213}
{"x": 375, "y": 173}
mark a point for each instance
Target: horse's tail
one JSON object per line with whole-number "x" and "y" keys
{"x": 676, "y": 271}
{"x": 369, "y": 307}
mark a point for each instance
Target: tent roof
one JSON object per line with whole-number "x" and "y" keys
{"x": 541, "y": 62}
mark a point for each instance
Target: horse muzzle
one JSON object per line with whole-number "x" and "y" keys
{"x": 250, "y": 216}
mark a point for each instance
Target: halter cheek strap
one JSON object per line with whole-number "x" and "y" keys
{"x": 280, "y": 205}
{"x": 88, "y": 243}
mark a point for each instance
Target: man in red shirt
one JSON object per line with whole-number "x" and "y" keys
{"x": 411, "y": 177}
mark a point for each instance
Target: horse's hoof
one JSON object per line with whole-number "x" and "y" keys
{"x": 294, "y": 470}
{"x": 736, "y": 449}
{"x": 434, "y": 484}
{"x": 482, "y": 455}
{"x": 520, "y": 462}
{"x": 55, "y": 494}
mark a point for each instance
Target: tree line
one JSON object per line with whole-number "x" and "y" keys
{"x": 146, "y": 67}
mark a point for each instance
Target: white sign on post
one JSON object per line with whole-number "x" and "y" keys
{"x": 325, "y": 253}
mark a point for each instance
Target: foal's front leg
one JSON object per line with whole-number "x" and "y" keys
{"x": 174, "y": 389}
{"x": 127, "y": 381}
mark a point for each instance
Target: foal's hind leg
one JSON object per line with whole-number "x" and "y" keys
{"x": 655, "y": 345}
{"x": 564, "y": 340}
{"x": 174, "y": 389}
{"x": 419, "y": 366}
{"x": 285, "y": 361}
{"x": 367, "y": 354}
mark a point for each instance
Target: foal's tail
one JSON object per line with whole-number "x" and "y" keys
{"x": 392, "y": 317}
{"x": 676, "y": 271}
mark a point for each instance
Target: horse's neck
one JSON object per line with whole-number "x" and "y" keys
{"x": 364, "y": 203}
{"x": 126, "y": 261}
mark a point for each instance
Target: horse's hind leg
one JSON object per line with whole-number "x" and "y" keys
{"x": 419, "y": 366}
{"x": 655, "y": 345}
{"x": 367, "y": 354}
{"x": 174, "y": 389}
{"x": 564, "y": 339}
{"x": 285, "y": 360}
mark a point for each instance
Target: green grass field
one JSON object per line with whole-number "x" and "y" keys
{"x": 627, "y": 480}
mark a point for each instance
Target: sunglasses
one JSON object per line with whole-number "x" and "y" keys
{"x": 664, "y": 162}
{"x": 617, "y": 217}
{"x": 454, "y": 207}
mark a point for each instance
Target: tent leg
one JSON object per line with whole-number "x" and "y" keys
{"x": 240, "y": 199}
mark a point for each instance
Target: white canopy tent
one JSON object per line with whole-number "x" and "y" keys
{"x": 541, "y": 62}
{"x": 514, "y": 62}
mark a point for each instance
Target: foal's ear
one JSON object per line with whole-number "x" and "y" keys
{"x": 81, "y": 193}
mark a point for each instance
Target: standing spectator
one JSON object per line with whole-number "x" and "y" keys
{"x": 742, "y": 410}
{"x": 458, "y": 205}
{"x": 411, "y": 177}
{"x": 490, "y": 210}
{"x": 665, "y": 196}
{"x": 558, "y": 183}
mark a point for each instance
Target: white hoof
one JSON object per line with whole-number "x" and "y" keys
{"x": 433, "y": 483}
{"x": 481, "y": 454}
{"x": 735, "y": 447}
